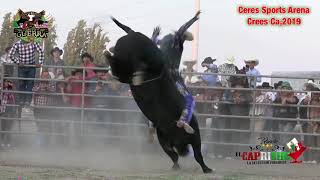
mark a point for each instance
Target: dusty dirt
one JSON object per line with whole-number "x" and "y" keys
{"x": 116, "y": 164}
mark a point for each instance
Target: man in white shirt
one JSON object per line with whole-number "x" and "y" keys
{"x": 252, "y": 72}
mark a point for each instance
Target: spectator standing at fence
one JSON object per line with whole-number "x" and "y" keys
{"x": 56, "y": 61}
{"x": 314, "y": 127}
{"x": 26, "y": 52}
{"x": 210, "y": 79}
{"x": 253, "y": 72}
{"x": 8, "y": 98}
{"x": 227, "y": 68}
{"x": 240, "y": 106}
{"x": 285, "y": 98}
{"x": 61, "y": 114}
{"x": 43, "y": 113}
{"x": 261, "y": 112}
{"x": 101, "y": 88}
{"x": 188, "y": 69}
{"x": 87, "y": 62}
{"x": 217, "y": 108}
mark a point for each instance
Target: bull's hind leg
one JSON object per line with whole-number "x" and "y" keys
{"x": 196, "y": 146}
{"x": 167, "y": 147}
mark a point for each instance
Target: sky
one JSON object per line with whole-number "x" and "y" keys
{"x": 223, "y": 32}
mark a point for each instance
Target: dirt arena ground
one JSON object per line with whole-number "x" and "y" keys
{"x": 90, "y": 164}
{"x": 101, "y": 159}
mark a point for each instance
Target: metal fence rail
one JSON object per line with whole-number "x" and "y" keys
{"x": 83, "y": 110}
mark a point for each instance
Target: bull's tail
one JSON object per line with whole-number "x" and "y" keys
{"x": 122, "y": 26}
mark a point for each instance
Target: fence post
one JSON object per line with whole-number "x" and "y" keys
{"x": 253, "y": 116}
{"x": 1, "y": 88}
{"x": 82, "y": 101}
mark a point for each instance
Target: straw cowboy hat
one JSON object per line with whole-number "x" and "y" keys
{"x": 230, "y": 60}
{"x": 190, "y": 62}
{"x": 255, "y": 61}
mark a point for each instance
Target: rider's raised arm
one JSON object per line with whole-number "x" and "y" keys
{"x": 186, "y": 26}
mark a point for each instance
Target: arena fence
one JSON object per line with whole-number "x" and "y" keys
{"x": 203, "y": 117}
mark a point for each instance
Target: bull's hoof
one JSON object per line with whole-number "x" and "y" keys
{"x": 208, "y": 170}
{"x": 175, "y": 167}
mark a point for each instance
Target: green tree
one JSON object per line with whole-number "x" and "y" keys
{"x": 96, "y": 44}
{"x": 7, "y": 37}
{"x": 75, "y": 45}
{"x": 50, "y": 41}
{"x": 83, "y": 39}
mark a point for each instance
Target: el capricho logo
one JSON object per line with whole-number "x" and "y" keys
{"x": 270, "y": 152}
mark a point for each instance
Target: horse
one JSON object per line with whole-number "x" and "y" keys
{"x": 157, "y": 95}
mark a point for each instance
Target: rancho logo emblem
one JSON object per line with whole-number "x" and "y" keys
{"x": 270, "y": 152}
{"x": 31, "y": 26}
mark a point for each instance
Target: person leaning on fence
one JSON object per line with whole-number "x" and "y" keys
{"x": 74, "y": 87}
{"x": 41, "y": 90}
{"x": 285, "y": 98}
{"x": 8, "y": 98}
{"x": 56, "y": 60}
{"x": 312, "y": 113}
{"x": 26, "y": 52}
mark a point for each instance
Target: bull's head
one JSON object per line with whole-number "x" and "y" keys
{"x": 117, "y": 70}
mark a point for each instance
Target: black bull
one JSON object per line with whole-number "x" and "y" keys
{"x": 157, "y": 97}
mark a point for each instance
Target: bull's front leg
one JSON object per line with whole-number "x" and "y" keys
{"x": 169, "y": 150}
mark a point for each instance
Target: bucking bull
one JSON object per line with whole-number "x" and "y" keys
{"x": 135, "y": 56}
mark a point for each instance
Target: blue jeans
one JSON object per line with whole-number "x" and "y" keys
{"x": 26, "y": 85}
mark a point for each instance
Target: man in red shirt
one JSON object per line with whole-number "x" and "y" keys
{"x": 75, "y": 87}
